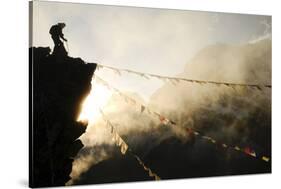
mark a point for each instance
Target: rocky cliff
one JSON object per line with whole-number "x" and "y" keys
{"x": 58, "y": 85}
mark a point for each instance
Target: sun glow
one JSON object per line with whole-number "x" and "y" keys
{"x": 97, "y": 99}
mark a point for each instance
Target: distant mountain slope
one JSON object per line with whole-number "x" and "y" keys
{"x": 234, "y": 115}
{"x": 245, "y": 63}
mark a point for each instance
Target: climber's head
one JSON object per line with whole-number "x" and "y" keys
{"x": 62, "y": 25}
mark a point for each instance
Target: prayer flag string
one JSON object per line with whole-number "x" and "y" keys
{"x": 175, "y": 80}
{"x": 124, "y": 147}
{"x": 165, "y": 121}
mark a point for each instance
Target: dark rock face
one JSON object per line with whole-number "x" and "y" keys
{"x": 58, "y": 85}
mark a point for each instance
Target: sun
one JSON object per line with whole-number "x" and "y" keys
{"x": 96, "y": 100}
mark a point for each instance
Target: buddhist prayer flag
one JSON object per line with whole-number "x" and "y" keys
{"x": 249, "y": 151}
{"x": 265, "y": 158}
{"x": 124, "y": 148}
{"x": 213, "y": 141}
{"x": 196, "y": 133}
{"x": 258, "y": 87}
{"x": 99, "y": 67}
{"x": 237, "y": 148}
{"x": 189, "y": 130}
{"x": 142, "y": 108}
{"x": 224, "y": 145}
{"x": 206, "y": 137}
{"x": 157, "y": 177}
{"x": 118, "y": 72}
{"x": 111, "y": 129}
{"x": 172, "y": 122}
{"x": 163, "y": 120}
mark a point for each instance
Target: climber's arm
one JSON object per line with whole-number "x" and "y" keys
{"x": 62, "y": 36}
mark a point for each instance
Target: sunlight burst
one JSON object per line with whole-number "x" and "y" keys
{"x": 98, "y": 98}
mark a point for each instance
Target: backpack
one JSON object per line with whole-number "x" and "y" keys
{"x": 53, "y": 30}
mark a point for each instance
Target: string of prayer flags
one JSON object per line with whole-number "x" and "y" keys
{"x": 117, "y": 139}
{"x": 125, "y": 97}
{"x": 124, "y": 147}
{"x": 150, "y": 173}
{"x": 178, "y": 79}
{"x": 246, "y": 150}
{"x": 166, "y": 121}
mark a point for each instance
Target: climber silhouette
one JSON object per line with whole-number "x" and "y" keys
{"x": 57, "y": 35}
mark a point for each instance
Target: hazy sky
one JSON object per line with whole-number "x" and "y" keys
{"x": 157, "y": 41}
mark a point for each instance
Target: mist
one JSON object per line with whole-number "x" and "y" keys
{"x": 235, "y": 116}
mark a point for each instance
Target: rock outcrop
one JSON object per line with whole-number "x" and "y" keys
{"x": 58, "y": 85}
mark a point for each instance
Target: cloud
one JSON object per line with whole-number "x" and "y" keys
{"x": 266, "y": 23}
{"x": 236, "y": 117}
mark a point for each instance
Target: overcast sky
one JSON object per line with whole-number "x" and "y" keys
{"x": 157, "y": 41}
